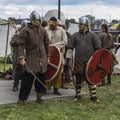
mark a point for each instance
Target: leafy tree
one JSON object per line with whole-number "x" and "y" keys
{"x": 118, "y": 27}
{"x": 69, "y": 21}
{"x": 72, "y": 20}
{"x": 115, "y": 21}
{"x": 11, "y": 19}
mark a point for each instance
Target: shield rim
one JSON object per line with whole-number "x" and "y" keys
{"x": 58, "y": 65}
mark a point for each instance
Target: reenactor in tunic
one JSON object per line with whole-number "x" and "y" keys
{"x": 58, "y": 38}
{"x": 33, "y": 50}
{"x": 85, "y": 44}
{"x": 107, "y": 42}
{"x": 17, "y": 70}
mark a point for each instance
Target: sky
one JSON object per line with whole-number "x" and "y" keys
{"x": 106, "y": 9}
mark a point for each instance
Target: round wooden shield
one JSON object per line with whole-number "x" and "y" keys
{"x": 54, "y": 63}
{"x": 98, "y": 66}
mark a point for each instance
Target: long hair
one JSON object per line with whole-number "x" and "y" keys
{"x": 105, "y": 29}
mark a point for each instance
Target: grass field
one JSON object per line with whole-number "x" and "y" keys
{"x": 4, "y": 67}
{"x": 67, "y": 109}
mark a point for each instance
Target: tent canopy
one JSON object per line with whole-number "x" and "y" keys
{"x": 7, "y": 30}
{"x": 54, "y": 13}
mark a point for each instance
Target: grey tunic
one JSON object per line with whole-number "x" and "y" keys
{"x": 84, "y": 44}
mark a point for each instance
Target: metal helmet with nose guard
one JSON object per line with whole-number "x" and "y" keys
{"x": 35, "y": 16}
{"x": 84, "y": 20}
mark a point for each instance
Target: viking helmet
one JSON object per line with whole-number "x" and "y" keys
{"x": 84, "y": 20}
{"x": 34, "y": 16}
{"x": 24, "y": 23}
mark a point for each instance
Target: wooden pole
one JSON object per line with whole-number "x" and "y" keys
{"x": 6, "y": 49}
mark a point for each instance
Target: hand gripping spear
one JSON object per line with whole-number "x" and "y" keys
{"x": 27, "y": 68}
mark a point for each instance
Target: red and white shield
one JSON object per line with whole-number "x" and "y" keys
{"x": 54, "y": 63}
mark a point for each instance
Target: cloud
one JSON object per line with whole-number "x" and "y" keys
{"x": 30, "y": 2}
{"x": 63, "y": 2}
{"x": 97, "y": 10}
{"x": 83, "y": 2}
{"x": 107, "y": 9}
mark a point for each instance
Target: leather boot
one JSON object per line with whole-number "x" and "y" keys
{"x": 20, "y": 102}
{"x": 77, "y": 97}
{"x": 15, "y": 88}
{"x": 56, "y": 92}
{"x": 95, "y": 99}
{"x": 39, "y": 99}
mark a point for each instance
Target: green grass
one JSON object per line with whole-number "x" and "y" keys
{"x": 67, "y": 109}
{"x": 4, "y": 67}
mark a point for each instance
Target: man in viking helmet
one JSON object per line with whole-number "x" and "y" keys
{"x": 85, "y": 44}
{"x": 33, "y": 43}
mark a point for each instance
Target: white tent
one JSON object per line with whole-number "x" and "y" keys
{"x": 117, "y": 67}
{"x": 7, "y": 30}
{"x": 73, "y": 28}
{"x": 54, "y": 13}
{"x": 118, "y": 55}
